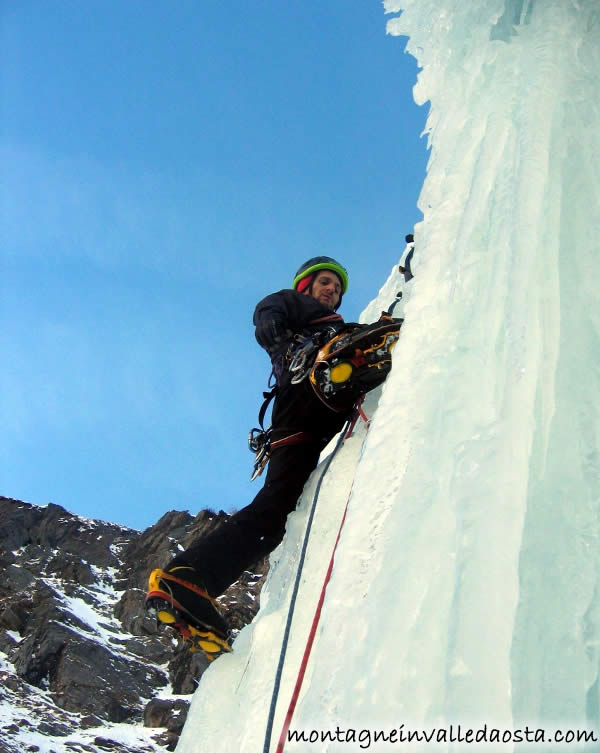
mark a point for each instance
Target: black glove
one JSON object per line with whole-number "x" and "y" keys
{"x": 270, "y": 332}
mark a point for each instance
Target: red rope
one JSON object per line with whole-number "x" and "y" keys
{"x": 359, "y": 414}
{"x": 309, "y": 643}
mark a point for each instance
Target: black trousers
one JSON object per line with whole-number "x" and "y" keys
{"x": 250, "y": 534}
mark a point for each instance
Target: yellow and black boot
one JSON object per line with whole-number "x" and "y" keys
{"x": 178, "y": 599}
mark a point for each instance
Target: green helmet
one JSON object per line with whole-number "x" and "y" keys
{"x": 316, "y": 264}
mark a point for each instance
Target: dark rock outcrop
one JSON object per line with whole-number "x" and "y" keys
{"x": 77, "y": 651}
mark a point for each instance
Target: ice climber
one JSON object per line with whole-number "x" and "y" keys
{"x": 183, "y": 594}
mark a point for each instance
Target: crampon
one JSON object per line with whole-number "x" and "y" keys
{"x": 162, "y": 604}
{"x": 199, "y": 638}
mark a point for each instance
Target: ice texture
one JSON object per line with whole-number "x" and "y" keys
{"x": 465, "y": 587}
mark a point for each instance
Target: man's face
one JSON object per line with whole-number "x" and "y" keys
{"x": 327, "y": 288}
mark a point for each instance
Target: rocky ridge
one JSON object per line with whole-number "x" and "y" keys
{"x": 82, "y": 668}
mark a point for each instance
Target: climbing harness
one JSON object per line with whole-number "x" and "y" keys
{"x": 340, "y": 366}
{"x": 260, "y": 440}
{"x": 262, "y": 444}
{"x": 300, "y": 356}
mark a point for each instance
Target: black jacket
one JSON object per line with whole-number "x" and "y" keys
{"x": 302, "y": 314}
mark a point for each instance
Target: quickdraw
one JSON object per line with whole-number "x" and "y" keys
{"x": 260, "y": 442}
{"x": 301, "y": 356}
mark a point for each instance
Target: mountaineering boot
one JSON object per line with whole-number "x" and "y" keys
{"x": 177, "y": 598}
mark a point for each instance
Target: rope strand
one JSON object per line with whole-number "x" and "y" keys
{"x": 296, "y": 588}
{"x": 309, "y": 643}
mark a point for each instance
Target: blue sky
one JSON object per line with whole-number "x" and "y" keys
{"x": 164, "y": 166}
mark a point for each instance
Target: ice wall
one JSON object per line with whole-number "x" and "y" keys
{"x": 510, "y": 242}
{"x": 465, "y": 586}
